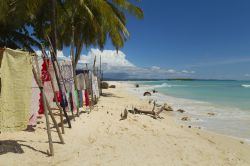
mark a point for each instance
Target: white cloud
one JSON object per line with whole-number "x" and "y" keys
{"x": 171, "y": 71}
{"x": 110, "y": 57}
{"x": 247, "y": 75}
{"x": 155, "y": 68}
{"x": 188, "y": 72}
{"x": 115, "y": 64}
{"x": 60, "y": 54}
{"x": 38, "y": 52}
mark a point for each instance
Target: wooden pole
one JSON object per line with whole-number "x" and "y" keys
{"x": 54, "y": 60}
{"x": 54, "y": 121}
{"x": 51, "y": 148}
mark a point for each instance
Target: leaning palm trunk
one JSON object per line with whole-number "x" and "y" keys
{"x": 54, "y": 53}
{"x": 74, "y": 65}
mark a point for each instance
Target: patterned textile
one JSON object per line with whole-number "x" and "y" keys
{"x": 47, "y": 86}
{"x": 67, "y": 74}
{"x": 73, "y": 101}
{"x": 76, "y": 99}
{"x": 34, "y": 103}
{"x": 70, "y": 102}
{"x": 95, "y": 86}
{"x": 80, "y": 98}
{"x": 80, "y": 82}
{"x": 64, "y": 102}
{"x": 15, "y": 99}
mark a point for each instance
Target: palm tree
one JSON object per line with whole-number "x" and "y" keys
{"x": 81, "y": 23}
{"x": 14, "y": 21}
{"x": 91, "y": 21}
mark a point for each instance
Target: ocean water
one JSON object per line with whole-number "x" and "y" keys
{"x": 229, "y": 100}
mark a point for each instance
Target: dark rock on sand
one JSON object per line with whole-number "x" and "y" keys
{"x": 185, "y": 118}
{"x": 154, "y": 91}
{"x": 211, "y": 113}
{"x": 112, "y": 86}
{"x": 180, "y": 110}
{"x": 104, "y": 85}
{"x": 167, "y": 107}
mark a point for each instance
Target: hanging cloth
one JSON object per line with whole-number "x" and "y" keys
{"x": 80, "y": 98}
{"x": 76, "y": 99}
{"x": 46, "y": 81}
{"x": 81, "y": 85}
{"x": 86, "y": 95}
{"x": 16, "y": 80}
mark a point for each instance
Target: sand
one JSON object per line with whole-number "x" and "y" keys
{"x": 100, "y": 138}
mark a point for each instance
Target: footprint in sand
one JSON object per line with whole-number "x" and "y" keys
{"x": 124, "y": 129}
{"x": 91, "y": 140}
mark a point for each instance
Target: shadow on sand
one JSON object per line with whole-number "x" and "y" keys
{"x": 110, "y": 95}
{"x": 11, "y": 146}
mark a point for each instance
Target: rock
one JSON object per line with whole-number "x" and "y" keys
{"x": 211, "y": 113}
{"x": 112, "y": 86}
{"x": 137, "y": 85}
{"x": 154, "y": 91}
{"x": 146, "y": 94}
{"x": 150, "y": 101}
{"x": 185, "y": 118}
{"x": 166, "y": 107}
{"x": 104, "y": 85}
{"x": 180, "y": 110}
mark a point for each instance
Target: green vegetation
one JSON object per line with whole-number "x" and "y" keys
{"x": 77, "y": 23}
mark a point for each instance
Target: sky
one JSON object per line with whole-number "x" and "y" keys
{"x": 207, "y": 39}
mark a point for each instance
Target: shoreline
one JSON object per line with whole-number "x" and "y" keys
{"x": 196, "y": 118}
{"x": 101, "y": 138}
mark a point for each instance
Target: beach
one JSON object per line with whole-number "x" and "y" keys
{"x": 101, "y": 138}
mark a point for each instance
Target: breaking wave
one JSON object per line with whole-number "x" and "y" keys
{"x": 245, "y": 86}
{"x": 165, "y": 85}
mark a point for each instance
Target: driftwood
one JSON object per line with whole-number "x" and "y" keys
{"x": 124, "y": 115}
{"x": 151, "y": 113}
{"x": 146, "y": 94}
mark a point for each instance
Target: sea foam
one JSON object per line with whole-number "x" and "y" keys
{"x": 245, "y": 86}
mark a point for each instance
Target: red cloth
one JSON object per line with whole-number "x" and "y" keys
{"x": 58, "y": 96}
{"x": 86, "y": 97}
{"x": 45, "y": 78}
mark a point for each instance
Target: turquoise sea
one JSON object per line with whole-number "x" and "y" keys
{"x": 229, "y": 100}
{"x": 226, "y": 93}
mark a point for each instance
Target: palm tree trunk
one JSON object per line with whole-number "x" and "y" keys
{"x": 74, "y": 64}
{"x": 54, "y": 53}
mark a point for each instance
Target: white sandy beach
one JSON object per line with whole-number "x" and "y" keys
{"x": 100, "y": 138}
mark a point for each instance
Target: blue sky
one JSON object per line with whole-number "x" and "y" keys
{"x": 209, "y": 37}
